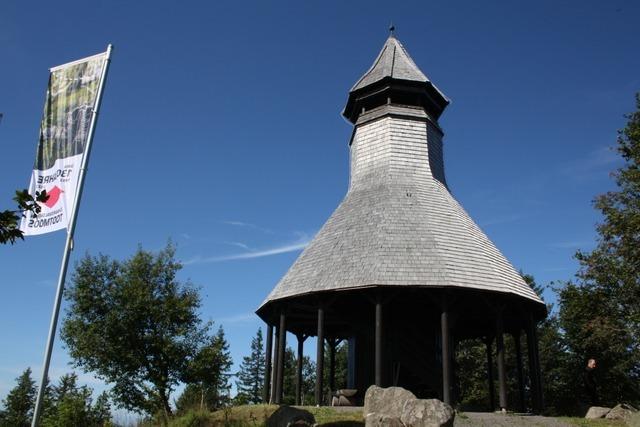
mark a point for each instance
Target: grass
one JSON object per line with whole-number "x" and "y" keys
{"x": 257, "y": 415}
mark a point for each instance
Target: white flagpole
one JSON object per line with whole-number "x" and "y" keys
{"x": 69, "y": 244}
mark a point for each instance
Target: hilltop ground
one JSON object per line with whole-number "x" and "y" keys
{"x": 255, "y": 416}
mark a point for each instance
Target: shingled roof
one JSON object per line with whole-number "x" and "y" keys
{"x": 399, "y": 225}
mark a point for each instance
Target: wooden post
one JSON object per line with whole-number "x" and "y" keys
{"x": 301, "y": 339}
{"x": 378, "y": 343}
{"x": 320, "y": 356}
{"x": 534, "y": 366}
{"x": 516, "y": 339}
{"x": 332, "y": 364}
{"x": 281, "y": 348}
{"x": 274, "y": 369}
{"x": 502, "y": 378}
{"x": 266, "y": 395}
{"x": 492, "y": 394}
{"x": 446, "y": 353}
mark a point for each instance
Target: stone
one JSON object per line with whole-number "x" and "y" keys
{"x": 597, "y": 412}
{"x": 377, "y": 420}
{"x": 287, "y": 416}
{"x": 386, "y": 401}
{"x": 427, "y": 413}
{"x": 634, "y": 420}
{"x": 621, "y": 411}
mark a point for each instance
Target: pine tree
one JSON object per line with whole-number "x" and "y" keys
{"x": 19, "y": 402}
{"x": 251, "y": 375}
{"x": 208, "y": 376}
{"x": 600, "y": 312}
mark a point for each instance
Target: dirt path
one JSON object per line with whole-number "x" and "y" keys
{"x": 486, "y": 419}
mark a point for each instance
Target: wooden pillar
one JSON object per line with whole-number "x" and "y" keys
{"x": 320, "y": 356}
{"x": 534, "y": 366}
{"x": 502, "y": 378}
{"x": 266, "y": 395}
{"x": 274, "y": 369}
{"x": 492, "y": 395}
{"x": 332, "y": 364}
{"x": 446, "y": 353}
{"x": 301, "y": 339}
{"x": 516, "y": 339}
{"x": 378, "y": 344}
{"x": 281, "y": 349}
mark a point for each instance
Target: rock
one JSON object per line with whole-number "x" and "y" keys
{"x": 621, "y": 411}
{"x": 377, "y": 420}
{"x": 597, "y": 412}
{"x": 386, "y": 401}
{"x": 634, "y": 420}
{"x": 427, "y": 413}
{"x": 287, "y": 416}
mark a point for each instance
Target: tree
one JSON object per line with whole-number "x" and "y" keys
{"x": 9, "y": 231}
{"x": 600, "y": 311}
{"x": 251, "y": 375}
{"x": 18, "y": 405}
{"x": 208, "y": 376}
{"x": 290, "y": 378}
{"x": 72, "y": 405}
{"x": 135, "y": 326}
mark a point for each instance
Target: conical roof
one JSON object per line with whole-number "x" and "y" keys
{"x": 392, "y": 61}
{"x": 398, "y": 224}
{"x": 394, "y": 76}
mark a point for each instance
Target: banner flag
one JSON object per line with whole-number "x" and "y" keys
{"x": 71, "y": 98}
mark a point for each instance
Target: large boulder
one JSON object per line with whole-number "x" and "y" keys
{"x": 597, "y": 412}
{"x": 621, "y": 411}
{"x": 287, "y": 416}
{"x": 397, "y": 407}
{"x": 386, "y": 401}
{"x": 376, "y": 420}
{"x": 427, "y": 413}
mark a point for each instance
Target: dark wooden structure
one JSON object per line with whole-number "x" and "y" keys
{"x": 400, "y": 271}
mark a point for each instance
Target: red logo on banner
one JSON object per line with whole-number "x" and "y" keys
{"x": 54, "y": 196}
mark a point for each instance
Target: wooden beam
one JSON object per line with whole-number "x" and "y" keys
{"x": 274, "y": 369}
{"x": 502, "y": 378}
{"x": 266, "y": 395}
{"x": 320, "y": 355}
{"x": 378, "y": 344}
{"x": 492, "y": 394}
{"x": 521, "y": 401}
{"x": 281, "y": 349}
{"x": 301, "y": 339}
{"x": 446, "y": 353}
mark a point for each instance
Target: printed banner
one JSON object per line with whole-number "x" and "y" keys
{"x": 71, "y": 97}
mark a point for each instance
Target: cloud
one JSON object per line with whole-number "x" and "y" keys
{"x": 247, "y": 225}
{"x": 276, "y": 250}
{"x": 239, "y": 244}
{"x": 238, "y": 318}
{"x": 595, "y": 163}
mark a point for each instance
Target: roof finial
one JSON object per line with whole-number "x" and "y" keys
{"x": 392, "y": 28}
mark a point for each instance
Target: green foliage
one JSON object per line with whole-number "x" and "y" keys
{"x": 251, "y": 375}
{"x": 290, "y": 373}
{"x": 600, "y": 312}
{"x": 9, "y": 231}
{"x": 72, "y": 405}
{"x": 19, "y": 403}
{"x": 65, "y": 404}
{"x": 208, "y": 377}
{"x": 135, "y": 326}
{"x": 340, "y": 366}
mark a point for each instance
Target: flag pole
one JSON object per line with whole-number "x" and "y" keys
{"x": 69, "y": 243}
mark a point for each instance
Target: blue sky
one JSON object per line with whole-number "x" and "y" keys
{"x": 221, "y": 130}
